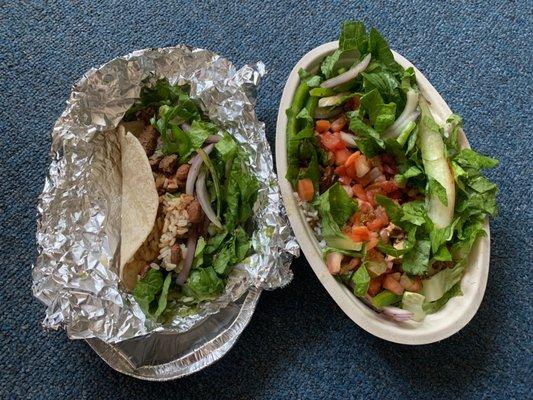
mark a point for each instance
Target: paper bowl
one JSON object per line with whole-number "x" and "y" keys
{"x": 457, "y": 312}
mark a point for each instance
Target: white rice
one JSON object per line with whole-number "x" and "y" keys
{"x": 176, "y": 223}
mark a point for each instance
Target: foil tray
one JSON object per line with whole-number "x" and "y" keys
{"x": 185, "y": 353}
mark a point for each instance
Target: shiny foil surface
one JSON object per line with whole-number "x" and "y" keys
{"x": 78, "y": 233}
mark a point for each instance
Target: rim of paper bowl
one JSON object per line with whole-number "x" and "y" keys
{"x": 435, "y": 327}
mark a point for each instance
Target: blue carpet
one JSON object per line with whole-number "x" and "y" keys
{"x": 299, "y": 344}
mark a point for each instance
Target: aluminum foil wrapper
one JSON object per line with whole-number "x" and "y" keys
{"x": 78, "y": 234}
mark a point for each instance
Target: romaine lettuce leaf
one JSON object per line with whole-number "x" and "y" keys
{"x": 434, "y": 306}
{"x": 148, "y": 287}
{"x": 435, "y": 287}
{"x": 361, "y": 281}
{"x": 336, "y": 202}
{"x": 203, "y": 284}
{"x": 416, "y": 260}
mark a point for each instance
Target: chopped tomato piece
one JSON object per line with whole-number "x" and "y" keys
{"x": 322, "y": 125}
{"x": 370, "y": 196}
{"x": 339, "y": 124}
{"x": 415, "y": 287}
{"x": 373, "y": 242}
{"x": 388, "y": 186}
{"x": 341, "y": 156}
{"x": 392, "y": 284}
{"x": 359, "y": 191}
{"x": 340, "y": 170}
{"x": 332, "y": 141}
{"x": 381, "y": 220}
{"x": 396, "y": 276}
{"x": 350, "y": 164}
{"x": 306, "y": 190}
{"x": 375, "y": 285}
{"x": 359, "y": 234}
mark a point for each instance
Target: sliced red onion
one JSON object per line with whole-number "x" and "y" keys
{"x": 408, "y": 114}
{"x": 203, "y": 199}
{"x": 189, "y": 258}
{"x": 348, "y": 139}
{"x": 196, "y": 163}
{"x": 185, "y": 127}
{"x": 398, "y": 314}
{"x": 348, "y": 75}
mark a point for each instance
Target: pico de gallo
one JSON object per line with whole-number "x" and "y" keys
{"x": 399, "y": 202}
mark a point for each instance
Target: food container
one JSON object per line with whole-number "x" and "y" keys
{"x": 180, "y": 355}
{"x": 78, "y": 233}
{"x": 458, "y": 311}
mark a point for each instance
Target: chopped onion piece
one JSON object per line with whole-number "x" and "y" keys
{"x": 196, "y": 163}
{"x": 348, "y": 139}
{"x": 203, "y": 199}
{"x": 348, "y": 75}
{"x": 398, "y": 314}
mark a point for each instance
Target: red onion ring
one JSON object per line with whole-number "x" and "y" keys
{"x": 189, "y": 257}
{"x": 348, "y": 75}
{"x": 203, "y": 199}
{"x": 196, "y": 163}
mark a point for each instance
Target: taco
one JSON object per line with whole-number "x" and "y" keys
{"x": 187, "y": 202}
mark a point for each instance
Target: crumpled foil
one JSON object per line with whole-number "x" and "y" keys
{"x": 78, "y": 233}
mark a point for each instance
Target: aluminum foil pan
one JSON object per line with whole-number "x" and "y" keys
{"x": 180, "y": 354}
{"x": 78, "y": 231}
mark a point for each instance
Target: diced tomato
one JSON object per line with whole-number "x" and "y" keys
{"x": 306, "y": 190}
{"x": 415, "y": 287}
{"x": 340, "y": 170}
{"x": 359, "y": 191}
{"x": 375, "y": 285}
{"x": 350, "y": 164}
{"x": 373, "y": 242}
{"x": 381, "y": 220}
{"x": 396, "y": 276}
{"x": 341, "y": 156}
{"x": 359, "y": 234}
{"x": 392, "y": 284}
{"x": 332, "y": 141}
{"x": 370, "y": 196}
{"x": 339, "y": 124}
{"x": 322, "y": 125}
{"x": 389, "y": 186}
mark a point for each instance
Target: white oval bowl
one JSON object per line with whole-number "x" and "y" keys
{"x": 458, "y": 311}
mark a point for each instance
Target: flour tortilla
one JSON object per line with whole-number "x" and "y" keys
{"x": 139, "y": 204}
